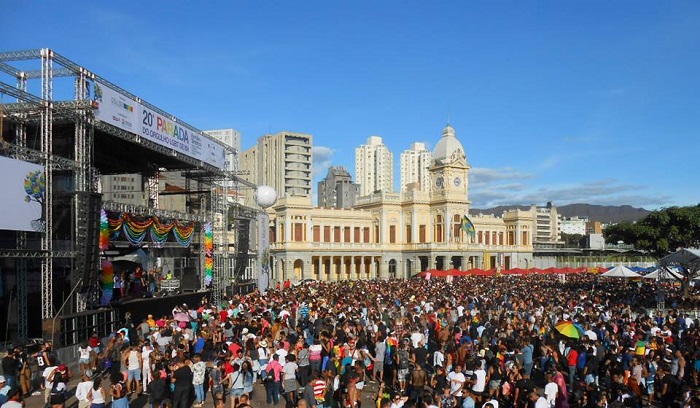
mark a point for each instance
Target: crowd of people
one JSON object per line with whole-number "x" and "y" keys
{"x": 469, "y": 342}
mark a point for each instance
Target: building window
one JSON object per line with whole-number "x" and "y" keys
{"x": 317, "y": 233}
{"x": 346, "y": 234}
{"x": 298, "y": 232}
{"x": 336, "y": 234}
{"x": 327, "y": 233}
{"x": 409, "y": 234}
{"x": 357, "y": 234}
{"x": 365, "y": 239}
{"x": 392, "y": 234}
{"x": 422, "y": 238}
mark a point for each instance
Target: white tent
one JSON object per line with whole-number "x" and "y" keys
{"x": 669, "y": 273}
{"x": 621, "y": 272}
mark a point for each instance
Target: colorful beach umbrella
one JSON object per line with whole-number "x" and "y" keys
{"x": 569, "y": 329}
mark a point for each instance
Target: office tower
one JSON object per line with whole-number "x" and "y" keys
{"x": 374, "y": 167}
{"x": 414, "y": 168}
{"x": 337, "y": 190}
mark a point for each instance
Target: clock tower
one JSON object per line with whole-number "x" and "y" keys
{"x": 450, "y": 169}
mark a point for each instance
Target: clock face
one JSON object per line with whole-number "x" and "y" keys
{"x": 457, "y": 181}
{"x": 439, "y": 182}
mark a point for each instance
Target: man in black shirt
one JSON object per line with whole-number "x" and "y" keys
{"x": 9, "y": 368}
{"x": 182, "y": 378}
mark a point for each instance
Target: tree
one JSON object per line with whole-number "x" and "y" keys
{"x": 573, "y": 240}
{"x": 662, "y": 232}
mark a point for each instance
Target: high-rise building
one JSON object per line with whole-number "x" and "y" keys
{"x": 124, "y": 188}
{"x": 374, "y": 167}
{"x": 282, "y": 161}
{"x": 337, "y": 190}
{"x": 414, "y": 168}
{"x": 232, "y": 139}
{"x": 546, "y": 224}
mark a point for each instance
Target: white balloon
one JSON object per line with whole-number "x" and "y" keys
{"x": 265, "y": 196}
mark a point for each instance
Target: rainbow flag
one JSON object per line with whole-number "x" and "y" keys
{"x": 467, "y": 226}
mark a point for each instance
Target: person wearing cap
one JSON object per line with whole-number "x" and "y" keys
{"x": 58, "y": 388}
{"x": 14, "y": 399}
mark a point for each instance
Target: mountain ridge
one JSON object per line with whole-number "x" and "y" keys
{"x": 594, "y": 212}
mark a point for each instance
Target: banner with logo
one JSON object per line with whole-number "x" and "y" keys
{"x": 117, "y": 109}
{"x": 112, "y": 107}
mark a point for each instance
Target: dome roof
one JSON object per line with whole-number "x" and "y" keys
{"x": 448, "y": 146}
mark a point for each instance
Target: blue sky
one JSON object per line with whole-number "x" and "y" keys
{"x": 574, "y": 101}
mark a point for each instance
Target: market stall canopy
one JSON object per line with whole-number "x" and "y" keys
{"x": 688, "y": 258}
{"x": 621, "y": 271}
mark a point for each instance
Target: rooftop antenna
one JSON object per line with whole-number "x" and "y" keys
{"x": 448, "y": 113}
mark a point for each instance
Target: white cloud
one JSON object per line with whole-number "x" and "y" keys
{"x": 321, "y": 156}
{"x": 602, "y": 192}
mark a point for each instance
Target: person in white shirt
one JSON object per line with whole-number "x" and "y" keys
{"x": 551, "y": 389}
{"x": 96, "y": 394}
{"x": 146, "y": 351}
{"x": 438, "y": 358}
{"x": 47, "y": 384}
{"x": 398, "y": 401}
{"x": 84, "y": 356}
{"x": 83, "y": 388}
{"x": 416, "y": 338}
{"x": 456, "y": 380}
{"x": 540, "y": 402}
{"x": 480, "y": 385}
{"x": 492, "y": 403}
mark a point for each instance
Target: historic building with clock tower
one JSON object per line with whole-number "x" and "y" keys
{"x": 399, "y": 234}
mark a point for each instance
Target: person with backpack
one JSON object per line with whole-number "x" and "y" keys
{"x": 118, "y": 390}
{"x": 273, "y": 380}
{"x": 402, "y": 360}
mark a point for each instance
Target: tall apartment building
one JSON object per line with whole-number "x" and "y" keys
{"x": 374, "y": 167}
{"x": 282, "y": 161}
{"x": 547, "y": 224}
{"x": 337, "y": 190}
{"x": 232, "y": 139}
{"x": 414, "y": 168}
{"x": 124, "y": 188}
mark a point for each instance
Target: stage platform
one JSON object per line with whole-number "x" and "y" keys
{"x": 158, "y": 306}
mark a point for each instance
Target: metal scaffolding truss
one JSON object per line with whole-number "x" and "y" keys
{"x": 142, "y": 210}
{"x": 39, "y": 110}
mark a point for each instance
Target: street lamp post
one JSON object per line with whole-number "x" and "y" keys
{"x": 265, "y": 196}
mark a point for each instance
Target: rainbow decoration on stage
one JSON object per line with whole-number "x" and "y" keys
{"x": 104, "y": 231}
{"x": 208, "y": 254}
{"x": 107, "y": 279}
{"x": 136, "y": 229}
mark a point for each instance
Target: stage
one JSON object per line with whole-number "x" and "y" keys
{"x": 158, "y": 306}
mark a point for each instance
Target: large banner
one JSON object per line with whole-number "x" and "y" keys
{"x": 116, "y": 109}
{"x": 23, "y": 186}
{"x": 263, "y": 251}
{"x": 127, "y": 114}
